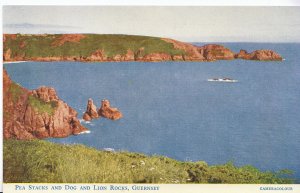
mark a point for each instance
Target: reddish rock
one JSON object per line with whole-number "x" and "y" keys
{"x": 61, "y": 40}
{"x": 36, "y": 114}
{"x": 9, "y": 36}
{"x": 6, "y": 80}
{"x": 178, "y": 58}
{"x": 22, "y": 44}
{"x": 191, "y": 51}
{"x": 243, "y": 54}
{"x": 7, "y": 55}
{"x": 129, "y": 56}
{"x": 205, "y": 53}
{"x": 262, "y": 55}
{"x": 98, "y": 55}
{"x": 216, "y": 52}
{"x": 118, "y": 57}
{"x": 91, "y": 111}
{"x": 138, "y": 55}
{"x": 47, "y": 94}
{"x": 266, "y": 55}
{"x": 108, "y": 112}
{"x": 154, "y": 57}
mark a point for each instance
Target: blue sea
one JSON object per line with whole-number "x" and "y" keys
{"x": 171, "y": 109}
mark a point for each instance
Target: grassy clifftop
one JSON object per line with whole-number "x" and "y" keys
{"x": 41, "y": 161}
{"x": 116, "y": 47}
{"x": 83, "y": 45}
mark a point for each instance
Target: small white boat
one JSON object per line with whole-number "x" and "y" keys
{"x": 221, "y": 80}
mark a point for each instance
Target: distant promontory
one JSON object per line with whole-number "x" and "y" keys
{"x": 110, "y": 47}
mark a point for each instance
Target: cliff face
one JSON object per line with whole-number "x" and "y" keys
{"x": 102, "y": 48}
{"x": 191, "y": 52}
{"x": 36, "y": 114}
{"x": 216, "y": 52}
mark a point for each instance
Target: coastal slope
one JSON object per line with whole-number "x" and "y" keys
{"x": 30, "y": 114}
{"x": 109, "y": 47}
{"x": 39, "y": 161}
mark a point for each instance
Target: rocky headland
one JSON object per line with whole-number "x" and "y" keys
{"x": 262, "y": 55}
{"x": 118, "y": 48}
{"x": 30, "y": 114}
{"x": 105, "y": 111}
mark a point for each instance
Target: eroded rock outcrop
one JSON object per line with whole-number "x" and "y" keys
{"x": 129, "y": 56}
{"x": 108, "y": 112}
{"x": 262, "y": 55}
{"x": 98, "y": 55}
{"x": 91, "y": 111}
{"x": 191, "y": 52}
{"x": 216, "y": 52}
{"x": 36, "y": 114}
{"x": 207, "y": 52}
{"x": 46, "y": 94}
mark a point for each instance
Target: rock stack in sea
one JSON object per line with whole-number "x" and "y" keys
{"x": 91, "y": 111}
{"x": 105, "y": 111}
{"x": 109, "y": 112}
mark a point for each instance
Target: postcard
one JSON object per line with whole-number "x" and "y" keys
{"x": 151, "y": 99}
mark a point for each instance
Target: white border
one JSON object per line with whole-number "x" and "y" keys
{"x": 156, "y": 2}
{"x": 121, "y": 3}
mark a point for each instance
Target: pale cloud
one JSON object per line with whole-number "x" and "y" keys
{"x": 252, "y": 24}
{"x": 32, "y": 26}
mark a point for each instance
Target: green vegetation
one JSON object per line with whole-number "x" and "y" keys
{"x": 42, "y": 46}
{"x": 42, "y": 106}
{"x": 16, "y": 91}
{"x": 42, "y": 161}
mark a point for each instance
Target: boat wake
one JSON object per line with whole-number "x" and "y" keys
{"x": 84, "y": 132}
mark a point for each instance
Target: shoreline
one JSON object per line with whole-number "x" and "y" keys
{"x": 14, "y": 62}
{"x": 146, "y": 61}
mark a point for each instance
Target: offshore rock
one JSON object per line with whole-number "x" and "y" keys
{"x": 262, "y": 55}
{"x": 108, "y": 112}
{"x": 91, "y": 111}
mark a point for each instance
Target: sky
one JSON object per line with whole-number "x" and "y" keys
{"x": 190, "y": 24}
